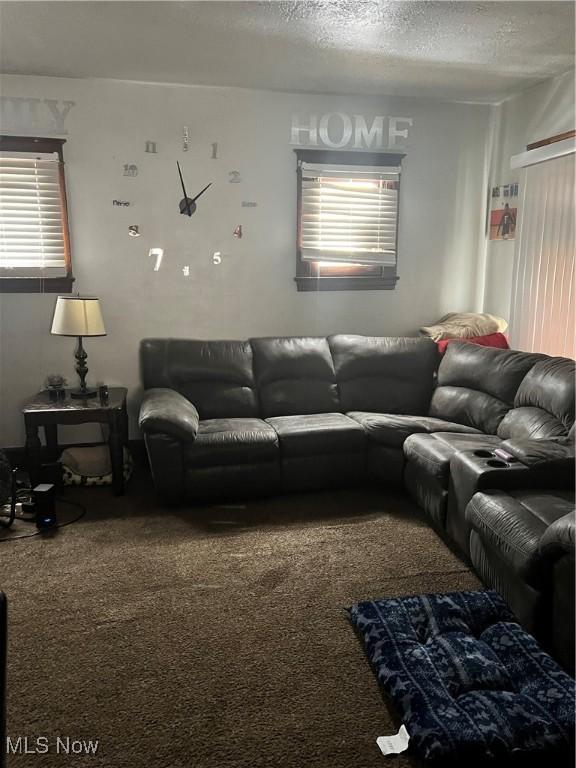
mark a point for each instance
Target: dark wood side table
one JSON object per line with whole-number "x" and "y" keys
{"x": 41, "y": 411}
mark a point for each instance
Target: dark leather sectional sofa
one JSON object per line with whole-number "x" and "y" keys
{"x": 240, "y": 418}
{"x": 283, "y": 414}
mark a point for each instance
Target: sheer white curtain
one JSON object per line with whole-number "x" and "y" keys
{"x": 543, "y": 291}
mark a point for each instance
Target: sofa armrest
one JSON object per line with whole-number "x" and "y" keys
{"x": 534, "y": 453}
{"x": 165, "y": 411}
{"x": 507, "y": 528}
{"x": 519, "y": 536}
{"x": 559, "y": 538}
{"x": 551, "y": 461}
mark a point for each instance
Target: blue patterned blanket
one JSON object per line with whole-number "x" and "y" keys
{"x": 466, "y": 679}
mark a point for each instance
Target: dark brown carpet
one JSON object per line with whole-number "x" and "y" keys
{"x": 211, "y": 638}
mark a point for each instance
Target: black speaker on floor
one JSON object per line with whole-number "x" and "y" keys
{"x": 43, "y": 496}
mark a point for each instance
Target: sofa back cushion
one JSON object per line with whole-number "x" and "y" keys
{"x": 544, "y": 402}
{"x": 294, "y": 375}
{"x": 477, "y": 385}
{"x": 216, "y": 376}
{"x": 384, "y": 374}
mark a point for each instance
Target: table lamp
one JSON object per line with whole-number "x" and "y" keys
{"x": 78, "y": 316}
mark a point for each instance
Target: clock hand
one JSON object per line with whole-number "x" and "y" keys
{"x": 186, "y": 198}
{"x": 201, "y": 193}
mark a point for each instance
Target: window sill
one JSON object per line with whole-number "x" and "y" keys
{"x": 346, "y": 283}
{"x": 36, "y": 284}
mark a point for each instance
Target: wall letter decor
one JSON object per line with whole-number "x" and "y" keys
{"x": 130, "y": 169}
{"x": 394, "y": 133}
{"x": 28, "y": 116}
{"x": 134, "y": 230}
{"x": 215, "y": 151}
{"x": 121, "y": 203}
{"x": 355, "y": 131}
{"x": 216, "y": 257}
{"x": 59, "y": 115}
{"x": 238, "y": 231}
{"x": 311, "y": 129}
{"x": 234, "y": 177}
{"x": 150, "y": 147}
{"x": 365, "y": 137}
{"x": 346, "y": 130}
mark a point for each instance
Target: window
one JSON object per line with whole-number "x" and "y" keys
{"x": 34, "y": 238}
{"x": 347, "y": 220}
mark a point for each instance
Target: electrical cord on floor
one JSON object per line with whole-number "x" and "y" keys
{"x": 45, "y": 531}
{"x": 13, "y": 498}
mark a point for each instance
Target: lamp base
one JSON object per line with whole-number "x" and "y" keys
{"x": 83, "y": 394}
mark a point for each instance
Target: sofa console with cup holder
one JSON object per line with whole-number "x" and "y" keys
{"x": 508, "y": 399}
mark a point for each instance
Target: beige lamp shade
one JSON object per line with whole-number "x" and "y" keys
{"x": 77, "y": 316}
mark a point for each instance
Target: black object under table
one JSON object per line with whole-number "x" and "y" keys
{"x": 41, "y": 411}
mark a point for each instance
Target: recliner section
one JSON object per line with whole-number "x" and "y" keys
{"x": 477, "y": 385}
{"x": 317, "y": 395}
{"x": 522, "y": 543}
{"x": 380, "y": 381}
{"x": 506, "y": 395}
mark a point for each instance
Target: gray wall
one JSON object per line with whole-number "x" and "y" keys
{"x": 537, "y": 113}
{"x": 252, "y": 292}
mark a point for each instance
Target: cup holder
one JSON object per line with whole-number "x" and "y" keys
{"x": 484, "y": 454}
{"x": 496, "y": 463}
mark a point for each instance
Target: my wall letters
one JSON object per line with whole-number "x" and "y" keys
{"x": 337, "y": 130}
{"x": 36, "y": 116}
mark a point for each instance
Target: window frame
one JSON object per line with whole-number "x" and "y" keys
{"x": 35, "y": 284}
{"x": 346, "y": 278}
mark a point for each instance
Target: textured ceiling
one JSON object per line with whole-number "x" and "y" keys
{"x": 470, "y": 51}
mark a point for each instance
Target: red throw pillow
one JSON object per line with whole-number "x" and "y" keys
{"x": 497, "y": 340}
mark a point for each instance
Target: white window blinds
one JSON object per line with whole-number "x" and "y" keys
{"x": 32, "y": 220}
{"x": 544, "y": 287}
{"x": 349, "y": 213}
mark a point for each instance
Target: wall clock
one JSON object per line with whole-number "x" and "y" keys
{"x": 188, "y": 204}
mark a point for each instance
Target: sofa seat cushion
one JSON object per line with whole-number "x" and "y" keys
{"x": 513, "y": 523}
{"x": 318, "y": 433}
{"x": 232, "y": 441}
{"x": 431, "y": 453}
{"x": 470, "y": 685}
{"x": 392, "y": 430}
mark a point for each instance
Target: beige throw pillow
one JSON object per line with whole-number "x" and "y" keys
{"x": 464, "y": 325}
